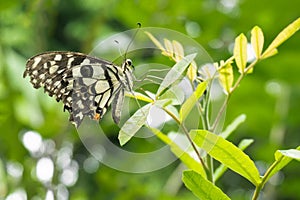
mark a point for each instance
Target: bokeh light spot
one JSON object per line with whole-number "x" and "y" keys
{"x": 32, "y": 141}
{"x": 44, "y": 169}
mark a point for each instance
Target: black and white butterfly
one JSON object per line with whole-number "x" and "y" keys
{"x": 86, "y": 85}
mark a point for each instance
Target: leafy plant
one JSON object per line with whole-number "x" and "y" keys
{"x": 200, "y": 177}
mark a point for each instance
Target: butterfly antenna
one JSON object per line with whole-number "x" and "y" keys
{"x": 119, "y": 47}
{"x": 137, "y": 30}
{"x": 139, "y": 26}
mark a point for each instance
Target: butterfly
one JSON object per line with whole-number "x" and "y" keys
{"x": 86, "y": 85}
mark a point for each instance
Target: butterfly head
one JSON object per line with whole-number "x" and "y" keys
{"x": 127, "y": 65}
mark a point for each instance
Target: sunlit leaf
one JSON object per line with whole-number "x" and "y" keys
{"x": 178, "y": 51}
{"x": 190, "y": 162}
{"x": 285, "y": 34}
{"x": 233, "y": 126}
{"x": 227, "y": 153}
{"x": 169, "y": 48}
{"x": 201, "y": 187}
{"x": 139, "y": 96}
{"x": 133, "y": 124}
{"x": 269, "y": 53}
{"x": 191, "y": 101}
{"x": 155, "y": 41}
{"x": 282, "y": 158}
{"x": 291, "y": 153}
{"x": 192, "y": 71}
{"x": 257, "y": 40}
{"x": 240, "y": 52}
{"x": 175, "y": 72}
{"x": 222, "y": 168}
{"x": 226, "y": 77}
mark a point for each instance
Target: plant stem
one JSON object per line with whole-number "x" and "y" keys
{"x": 210, "y": 166}
{"x": 237, "y": 83}
{"x": 256, "y": 192}
{"x": 206, "y": 126}
{"x": 264, "y": 179}
{"x": 222, "y": 109}
{"x": 193, "y": 145}
{"x": 188, "y": 137}
{"x": 213, "y": 127}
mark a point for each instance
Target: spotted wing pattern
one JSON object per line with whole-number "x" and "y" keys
{"x": 86, "y": 85}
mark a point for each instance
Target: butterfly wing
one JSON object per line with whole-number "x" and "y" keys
{"x": 86, "y": 85}
{"x": 117, "y": 105}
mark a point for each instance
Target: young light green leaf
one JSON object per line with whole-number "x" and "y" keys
{"x": 178, "y": 51}
{"x": 201, "y": 187}
{"x": 285, "y": 34}
{"x": 226, "y": 77}
{"x": 169, "y": 48}
{"x": 139, "y": 96}
{"x": 175, "y": 72}
{"x": 191, "y": 101}
{"x": 282, "y": 158}
{"x": 155, "y": 41}
{"x": 240, "y": 52}
{"x": 227, "y": 153}
{"x": 190, "y": 162}
{"x": 233, "y": 126}
{"x": 257, "y": 41}
{"x": 222, "y": 168}
{"x": 269, "y": 54}
{"x": 192, "y": 71}
{"x": 133, "y": 124}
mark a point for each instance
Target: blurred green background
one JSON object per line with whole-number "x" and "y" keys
{"x": 270, "y": 97}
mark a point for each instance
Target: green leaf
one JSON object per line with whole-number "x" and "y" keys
{"x": 283, "y": 36}
{"x": 240, "y": 52}
{"x": 162, "y": 103}
{"x": 291, "y": 153}
{"x": 175, "y": 72}
{"x": 175, "y": 94}
{"x": 257, "y": 41}
{"x": 227, "y": 153}
{"x": 202, "y": 188}
{"x": 233, "y": 126}
{"x": 190, "y": 162}
{"x": 133, "y": 124}
{"x": 191, "y": 101}
{"x": 282, "y": 158}
{"x": 226, "y": 77}
{"x": 222, "y": 168}
{"x": 245, "y": 143}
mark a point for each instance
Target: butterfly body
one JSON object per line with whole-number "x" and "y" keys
{"x": 86, "y": 85}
